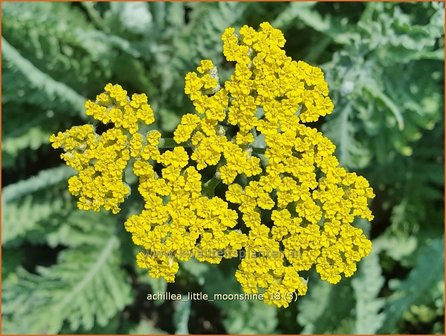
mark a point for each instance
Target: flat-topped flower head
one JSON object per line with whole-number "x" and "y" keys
{"x": 284, "y": 201}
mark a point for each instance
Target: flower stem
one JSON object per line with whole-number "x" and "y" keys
{"x": 256, "y": 150}
{"x": 167, "y": 143}
{"x": 209, "y": 186}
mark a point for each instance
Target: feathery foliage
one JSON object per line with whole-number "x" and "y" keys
{"x": 85, "y": 288}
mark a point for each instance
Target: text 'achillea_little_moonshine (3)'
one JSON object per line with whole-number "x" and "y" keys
{"x": 287, "y": 203}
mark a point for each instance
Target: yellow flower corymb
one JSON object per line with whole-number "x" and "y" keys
{"x": 285, "y": 204}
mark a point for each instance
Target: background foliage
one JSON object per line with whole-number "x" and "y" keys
{"x": 70, "y": 271}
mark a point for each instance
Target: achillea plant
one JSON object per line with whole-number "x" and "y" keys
{"x": 288, "y": 205}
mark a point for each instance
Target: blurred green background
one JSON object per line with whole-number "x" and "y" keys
{"x": 67, "y": 271}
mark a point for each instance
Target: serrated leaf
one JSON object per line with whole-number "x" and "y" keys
{"x": 339, "y": 31}
{"x": 367, "y": 284}
{"x": 181, "y": 316}
{"x": 416, "y": 288}
{"x": 41, "y": 81}
{"x": 30, "y": 201}
{"x": 247, "y": 316}
{"x": 86, "y": 287}
{"x": 316, "y": 309}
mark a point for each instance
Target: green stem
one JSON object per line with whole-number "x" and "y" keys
{"x": 256, "y": 150}
{"x": 209, "y": 186}
{"x": 167, "y": 143}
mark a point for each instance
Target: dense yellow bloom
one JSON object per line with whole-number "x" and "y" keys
{"x": 293, "y": 206}
{"x": 178, "y": 223}
{"x": 100, "y": 160}
{"x": 271, "y": 95}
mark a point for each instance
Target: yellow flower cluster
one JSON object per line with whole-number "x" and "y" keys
{"x": 178, "y": 222}
{"x": 100, "y": 160}
{"x": 311, "y": 200}
{"x": 293, "y": 206}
